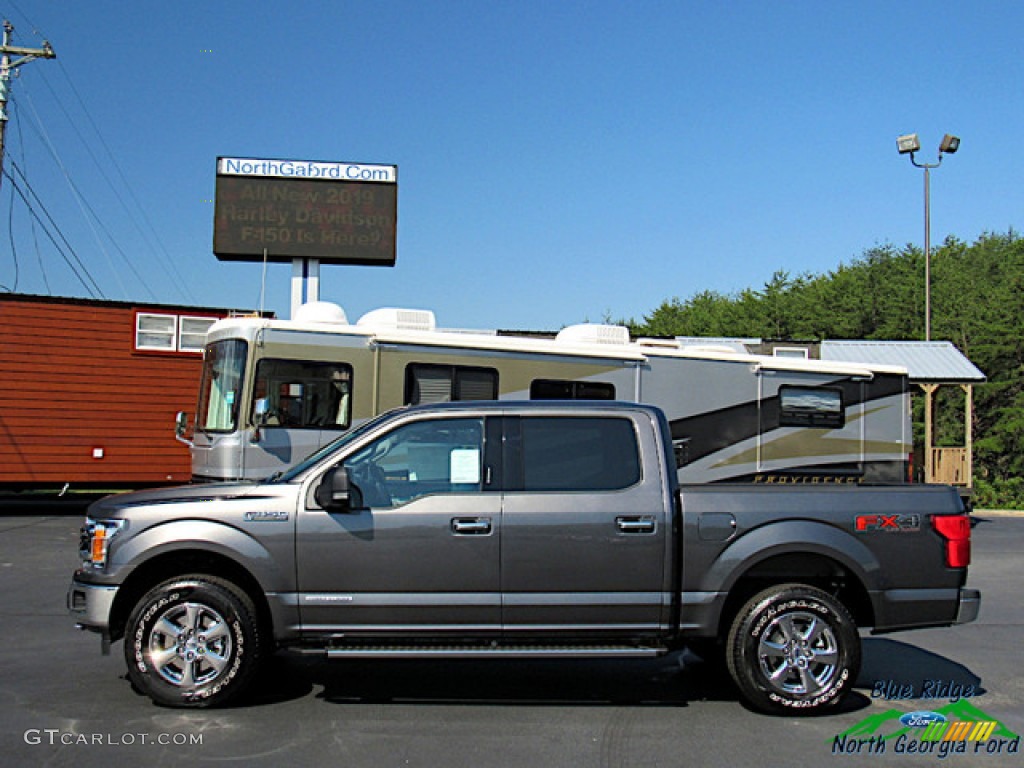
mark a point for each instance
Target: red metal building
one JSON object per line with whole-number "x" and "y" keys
{"x": 90, "y": 390}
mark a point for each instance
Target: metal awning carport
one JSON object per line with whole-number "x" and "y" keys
{"x": 930, "y": 364}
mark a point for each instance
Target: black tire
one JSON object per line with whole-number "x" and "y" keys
{"x": 793, "y": 649}
{"x": 193, "y": 641}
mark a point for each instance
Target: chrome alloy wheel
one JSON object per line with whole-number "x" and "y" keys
{"x": 798, "y": 654}
{"x": 190, "y": 644}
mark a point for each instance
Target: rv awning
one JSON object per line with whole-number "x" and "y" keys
{"x": 936, "y": 362}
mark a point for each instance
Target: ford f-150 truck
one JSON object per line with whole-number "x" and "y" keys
{"x": 515, "y": 530}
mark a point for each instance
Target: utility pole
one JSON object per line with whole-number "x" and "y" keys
{"x": 7, "y": 65}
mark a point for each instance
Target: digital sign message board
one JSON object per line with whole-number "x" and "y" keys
{"x": 341, "y": 213}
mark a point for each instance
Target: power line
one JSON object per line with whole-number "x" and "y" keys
{"x": 79, "y": 198}
{"x": 167, "y": 262}
{"x": 31, "y": 221}
{"x": 14, "y": 250}
{"x": 16, "y": 185}
{"x": 159, "y": 250}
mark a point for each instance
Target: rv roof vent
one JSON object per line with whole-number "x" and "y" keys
{"x": 664, "y": 343}
{"x": 320, "y": 312}
{"x": 591, "y": 333}
{"x": 391, "y": 318}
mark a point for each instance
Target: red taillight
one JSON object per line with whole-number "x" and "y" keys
{"x": 956, "y": 530}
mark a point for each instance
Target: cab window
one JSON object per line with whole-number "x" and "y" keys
{"x": 439, "y": 456}
{"x": 579, "y": 454}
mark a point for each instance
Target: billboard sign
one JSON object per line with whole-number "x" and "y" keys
{"x": 340, "y": 213}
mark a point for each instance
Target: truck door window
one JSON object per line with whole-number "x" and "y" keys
{"x": 302, "y": 394}
{"x": 579, "y": 454}
{"x": 553, "y": 389}
{"x": 441, "y": 456}
{"x": 811, "y": 407}
{"x": 446, "y": 383}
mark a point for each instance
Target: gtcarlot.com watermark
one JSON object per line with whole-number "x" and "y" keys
{"x": 54, "y": 737}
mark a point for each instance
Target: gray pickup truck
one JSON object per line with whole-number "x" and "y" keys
{"x": 515, "y": 530}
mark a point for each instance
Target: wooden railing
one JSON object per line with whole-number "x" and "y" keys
{"x": 950, "y": 466}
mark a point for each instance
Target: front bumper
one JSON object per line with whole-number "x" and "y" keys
{"x": 90, "y": 605}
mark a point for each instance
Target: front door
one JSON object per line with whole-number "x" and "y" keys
{"x": 421, "y": 556}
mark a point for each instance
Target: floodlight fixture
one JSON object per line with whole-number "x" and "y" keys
{"x": 909, "y": 143}
{"x": 950, "y": 144}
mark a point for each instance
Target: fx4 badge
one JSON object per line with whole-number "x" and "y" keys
{"x": 887, "y": 523}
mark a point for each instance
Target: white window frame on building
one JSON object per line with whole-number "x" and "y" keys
{"x": 168, "y": 332}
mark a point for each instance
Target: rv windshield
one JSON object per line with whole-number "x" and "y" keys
{"x": 220, "y": 389}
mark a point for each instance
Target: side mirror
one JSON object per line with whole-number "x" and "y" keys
{"x": 260, "y": 410}
{"x": 181, "y": 424}
{"x": 336, "y": 494}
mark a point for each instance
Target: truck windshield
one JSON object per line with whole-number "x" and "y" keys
{"x": 220, "y": 389}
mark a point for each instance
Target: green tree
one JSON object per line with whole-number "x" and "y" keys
{"x": 977, "y": 302}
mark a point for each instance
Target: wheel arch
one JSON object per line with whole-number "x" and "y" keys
{"x": 804, "y": 551}
{"x": 179, "y": 563}
{"x": 800, "y": 567}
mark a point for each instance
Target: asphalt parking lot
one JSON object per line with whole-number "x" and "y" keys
{"x": 62, "y": 703}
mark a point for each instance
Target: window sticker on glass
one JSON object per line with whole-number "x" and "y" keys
{"x": 465, "y": 465}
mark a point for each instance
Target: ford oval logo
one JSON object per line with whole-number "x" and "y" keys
{"x": 921, "y": 719}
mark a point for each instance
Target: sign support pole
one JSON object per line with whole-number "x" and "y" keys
{"x": 305, "y": 282}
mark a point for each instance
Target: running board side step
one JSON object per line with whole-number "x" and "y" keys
{"x": 510, "y": 651}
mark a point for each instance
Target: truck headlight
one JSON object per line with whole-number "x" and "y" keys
{"x": 95, "y": 541}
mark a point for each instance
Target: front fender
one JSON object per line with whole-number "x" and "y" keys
{"x": 273, "y": 574}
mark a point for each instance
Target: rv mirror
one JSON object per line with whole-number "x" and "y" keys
{"x": 181, "y": 424}
{"x": 336, "y": 494}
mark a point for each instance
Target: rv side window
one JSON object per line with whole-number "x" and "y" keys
{"x": 811, "y": 407}
{"x": 446, "y": 383}
{"x": 554, "y": 389}
{"x": 579, "y": 454}
{"x": 302, "y": 394}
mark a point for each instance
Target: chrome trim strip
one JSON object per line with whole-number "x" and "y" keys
{"x": 401, "y": 598}
{"x": 368, "y": 652}
{"x": 587, "y": 598}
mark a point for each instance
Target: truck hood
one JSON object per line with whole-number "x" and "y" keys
{"x": 176, "y": 494}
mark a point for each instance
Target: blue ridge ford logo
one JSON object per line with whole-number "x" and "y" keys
{"x": 921, "y": 719}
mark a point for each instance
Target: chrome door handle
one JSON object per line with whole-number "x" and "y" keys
{"x": 635, "y": 524}
{"x": 471, "y": 526}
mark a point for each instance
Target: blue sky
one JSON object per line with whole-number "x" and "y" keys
{"x": 558, "y": 161}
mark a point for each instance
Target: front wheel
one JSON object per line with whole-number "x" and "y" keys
{"x": 192, "y": 642}
{"x": 793, "y": 649}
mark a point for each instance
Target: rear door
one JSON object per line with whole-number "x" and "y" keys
{"x": 584, "y": 533}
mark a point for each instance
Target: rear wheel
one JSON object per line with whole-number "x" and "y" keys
{"x": 793, "y": 648}
{"x": 192, "y": 642}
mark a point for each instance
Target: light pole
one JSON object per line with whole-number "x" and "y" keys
{"x": 909, "y": 144}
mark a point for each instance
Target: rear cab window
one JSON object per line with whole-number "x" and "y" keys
{"x": 577, "y": 454}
